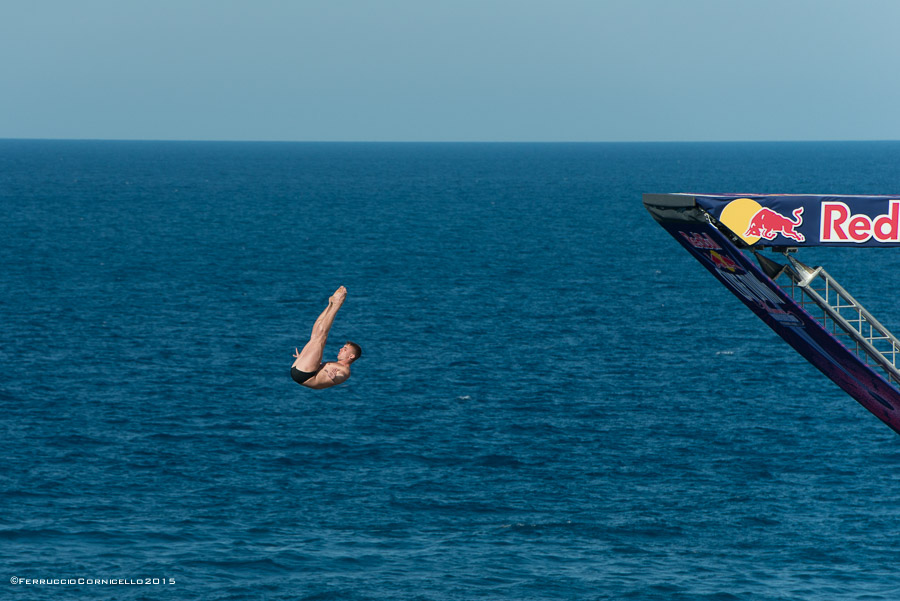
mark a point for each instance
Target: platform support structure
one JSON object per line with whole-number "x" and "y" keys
{"x": 836, "y": 309}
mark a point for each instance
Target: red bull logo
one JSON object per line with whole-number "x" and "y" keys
{"x": 752, "y": 222}
{"x": 767, "y": 224}
{"x": 842, "y": 220}
{"x": 722, "y": 261}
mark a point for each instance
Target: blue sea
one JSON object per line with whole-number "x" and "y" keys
{"x": 555, "y": 401}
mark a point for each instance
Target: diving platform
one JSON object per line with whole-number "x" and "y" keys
{"x": 804, "y": 305}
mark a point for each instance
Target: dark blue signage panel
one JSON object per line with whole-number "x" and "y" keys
{"x": 807, "y": 220}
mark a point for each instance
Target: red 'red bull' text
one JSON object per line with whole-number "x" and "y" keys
{"x": 840, "y": 225}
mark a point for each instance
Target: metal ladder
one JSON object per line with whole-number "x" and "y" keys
{"x": 827, "y": 301}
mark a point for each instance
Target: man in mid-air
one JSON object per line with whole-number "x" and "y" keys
{"x": 308, "y": 369}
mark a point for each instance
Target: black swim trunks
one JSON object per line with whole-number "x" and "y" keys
{"x": 302, "y": 376}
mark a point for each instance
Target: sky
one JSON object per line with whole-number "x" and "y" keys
{"x": 450, "y": 70}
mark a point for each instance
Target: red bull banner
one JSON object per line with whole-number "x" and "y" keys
{"x": 807, "y": 220}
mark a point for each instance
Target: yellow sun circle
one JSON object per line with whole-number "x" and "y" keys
{"x": 737, "y": 215}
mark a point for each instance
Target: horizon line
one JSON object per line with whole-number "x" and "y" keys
{"x": 534, "y": 142}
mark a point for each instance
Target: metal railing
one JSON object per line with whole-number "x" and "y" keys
{"x": 827, "y": 301}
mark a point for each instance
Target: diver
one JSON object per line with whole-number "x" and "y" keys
{"x": 308, "y": 369}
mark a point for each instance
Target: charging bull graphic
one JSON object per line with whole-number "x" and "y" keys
{"x": 767, "y": 224}
{"x": 723, "y": 262}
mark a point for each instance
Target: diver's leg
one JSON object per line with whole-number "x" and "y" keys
{"x": 310, "y": 357}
